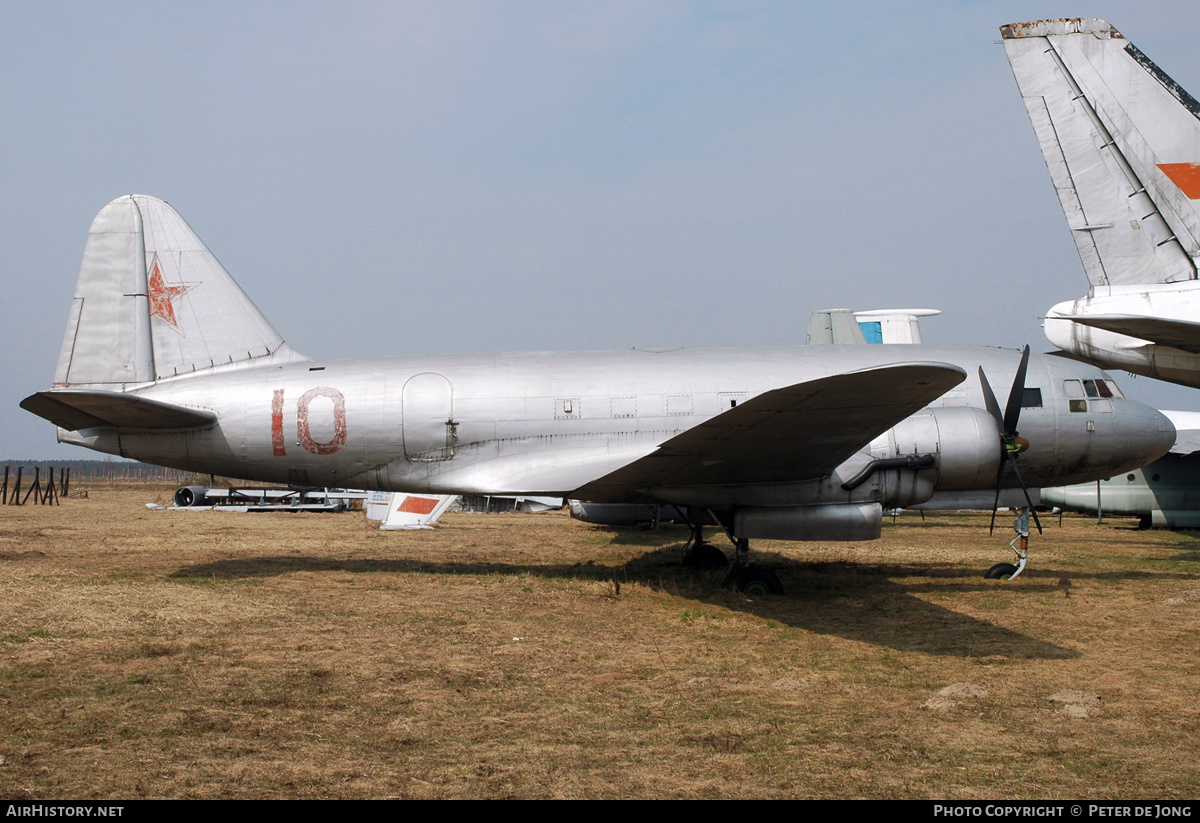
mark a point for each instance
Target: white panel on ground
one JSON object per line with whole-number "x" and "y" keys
{"x": 407, "y": 511}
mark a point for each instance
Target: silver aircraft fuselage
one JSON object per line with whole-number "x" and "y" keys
{"x": 165, "y": 359}
{"x": 549, "y": 423}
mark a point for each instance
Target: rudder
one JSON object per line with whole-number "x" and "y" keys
{"x": 152, "y": 302}
{"x": 1121, "y": 141}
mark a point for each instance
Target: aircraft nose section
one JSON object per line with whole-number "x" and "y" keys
{"x": 1149, "y": 433}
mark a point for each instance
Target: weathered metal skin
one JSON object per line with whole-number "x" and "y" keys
{"x": 803, "y": 443}
{"x": 503, "y": 412}
{"x": 1067, "y": 326}
{"x": 1165, "y": 493}
{"x": 1121, "y": 141}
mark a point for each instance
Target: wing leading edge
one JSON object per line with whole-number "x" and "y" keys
{"x": 793, "y": 434}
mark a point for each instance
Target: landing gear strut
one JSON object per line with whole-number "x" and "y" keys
{"x": 701, "y": 555}
{"x": 740, "y": 574}
{"x": 1020, "y": 547}
{"x": 748, "y": 578}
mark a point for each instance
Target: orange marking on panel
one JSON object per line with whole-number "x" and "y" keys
{"x": 418, "y": 505}
{"x": 1184, "y": 175}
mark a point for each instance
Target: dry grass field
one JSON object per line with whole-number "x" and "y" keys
{"x": 186, "y": 654}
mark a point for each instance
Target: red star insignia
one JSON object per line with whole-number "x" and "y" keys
{"x": 161, "y": 296}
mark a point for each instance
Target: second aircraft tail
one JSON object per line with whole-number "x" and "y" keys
{"x": 1121, "y": 140}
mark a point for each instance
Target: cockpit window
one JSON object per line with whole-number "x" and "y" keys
{"x": 1112, "y": 387}
{"x": 1031, "y": 399}
{"x": 1073, "y": 388}
{"x": 1089, "y": 386}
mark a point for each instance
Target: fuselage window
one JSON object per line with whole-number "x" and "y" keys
{"x": 1031, "y": 399}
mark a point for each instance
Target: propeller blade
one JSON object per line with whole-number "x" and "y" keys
{"x": 989, "y": 398}
{"x": 996, "y": 501}
{"x": 1012, "y": 412}
{"x": 1007, "y": 423}
{"x": 1012, "y": 458}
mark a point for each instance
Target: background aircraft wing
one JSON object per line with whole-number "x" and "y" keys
{"x": 791, "y": 434}
{"x": 1179, "y": 334}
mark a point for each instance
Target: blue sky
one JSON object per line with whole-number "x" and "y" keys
{"x": 402, "y": 178}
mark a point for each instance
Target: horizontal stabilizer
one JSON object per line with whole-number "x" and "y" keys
{"x": 791, "y": 434}
{"x": 77, "y": 410}
{"x": 1178, "y": 334}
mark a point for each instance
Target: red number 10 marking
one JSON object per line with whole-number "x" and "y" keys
{"x": 303, "y": 434}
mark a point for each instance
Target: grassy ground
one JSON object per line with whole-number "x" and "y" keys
{"x": 186, "y": 654}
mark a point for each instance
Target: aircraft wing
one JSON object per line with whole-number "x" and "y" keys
{"x": 1179, "y": 334}
{"x": 75, "y": 410}
{"x": 792, "y": 434}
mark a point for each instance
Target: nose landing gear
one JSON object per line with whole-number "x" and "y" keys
{"x": 1020, "y": 547}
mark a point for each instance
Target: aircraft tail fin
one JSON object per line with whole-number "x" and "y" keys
{"x": 1121, "y": 140}
{"x": 152, "y": 302}
{"x": 834, "y": 327}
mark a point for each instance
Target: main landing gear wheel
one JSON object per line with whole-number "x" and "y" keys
{"x": 705, "y": 557}
{"x": 1000, "y": 571}
{"x": 754, "y": 581}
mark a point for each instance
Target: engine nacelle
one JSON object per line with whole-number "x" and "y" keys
{"x": 963, "y": 440}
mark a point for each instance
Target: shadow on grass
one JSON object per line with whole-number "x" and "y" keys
{"x": 853, "y": 601}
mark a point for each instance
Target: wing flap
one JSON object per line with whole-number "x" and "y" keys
{"x": 792, "y": 434}
{"x": 76, "y": 410}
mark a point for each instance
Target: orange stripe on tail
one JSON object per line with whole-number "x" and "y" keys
{"x": 1184, "y": 175}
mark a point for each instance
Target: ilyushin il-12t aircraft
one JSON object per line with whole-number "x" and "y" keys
{"x": 166, "y": 360}
{"x": 1121, "y": 140}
